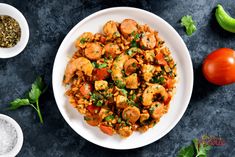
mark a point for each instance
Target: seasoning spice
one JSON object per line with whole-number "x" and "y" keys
{"x": 10, "y": 31}
{"x": 8, "y": 137}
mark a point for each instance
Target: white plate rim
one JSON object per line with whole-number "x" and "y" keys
{"x": 191, "y": 75}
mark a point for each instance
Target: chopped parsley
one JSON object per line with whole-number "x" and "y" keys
{"x": 159, "y": 80}
{"x": 133, "y": 96}
{"x": 119, "y": 120}
{"x": 108, "y": 118}
{"x": 134, "y": 44}
{"x": 99, "y": 103}
{"x": 103, "y": 65}
{"x": 124, "y": 92}
{"x": 83, "y": 40}
{"x": 189, "y": 24}
{"x": 151, "y": 109}
{"x": 120, "y": 84}
{"x": 94, "y": 64}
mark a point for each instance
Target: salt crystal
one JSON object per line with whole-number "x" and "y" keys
{"x": 8, "y": 137}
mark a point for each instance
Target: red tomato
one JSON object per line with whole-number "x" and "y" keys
{"x": 160, "y": 59}
{"x": 170, "y": 83}
{"x": 93, "y": 109}
{"x": 86, "y": 89}
{"x": 106, "y": 129}
{"x": 101, "y": 74}
{"x": 219, "y": 66}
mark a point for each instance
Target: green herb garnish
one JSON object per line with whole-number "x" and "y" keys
{"x": 159, "y": 80}
{"x": 151, "y": 109}
{"x": 195, "y": 149}
{"x": 83, "y": 40}
{"x": 94, "y": 64}
{"x": 108, "y": 118}
{"x": 124, "y": 92}
{"x": 119, "y": 84}
{"x": 38, "y": 88}
{"x": 133, "y": 96}
{"x": 134, "y": 44}
{"x": 189, "y": 24}
{"x": 87, "y": 118}
{"x": 99, "y": 103}
{"x": 103, "y": 65}
{"x": 119, "y": 120}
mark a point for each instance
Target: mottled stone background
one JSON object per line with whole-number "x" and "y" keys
{"x": 211, "y": 110}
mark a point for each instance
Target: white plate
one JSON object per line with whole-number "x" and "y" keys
{"x": 9, "y": 10}
{"x": 94, "y": 23}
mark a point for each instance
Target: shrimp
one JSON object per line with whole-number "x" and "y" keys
{"x": 152, "y": 90}
{"x": 117, "y": 68}
{"x": 93, "y": 51}
{"x": 130, "y": 66}
{"x": 79, "y": 64}
{"x": 112, "y": 50}
{"x": 128, "y": 26}
{"x": 132, "y": 81}
{"x": 144, "y": 116}
{"x": 92, "y": 120}
{"x": 158, "y": 112}
{"x": 125, "y": 131}
{"x": 83, "y": 39}
{"x": 148, "y": 41}
{"x": 131, "y": 113}
{"x": 110, "y": 30}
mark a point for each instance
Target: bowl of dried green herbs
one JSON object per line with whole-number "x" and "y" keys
{"x": 14, "y": 31}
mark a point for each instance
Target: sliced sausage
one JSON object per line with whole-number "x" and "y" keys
{"x": 93, "y": 51}
{"x": 110, "y": 30}
{"x": 128, "y": 26}
{"x": 148, "y": 41}
{"x": 112, "y": 50}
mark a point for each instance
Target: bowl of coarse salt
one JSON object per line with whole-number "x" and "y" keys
{"x": 11, "y": 137}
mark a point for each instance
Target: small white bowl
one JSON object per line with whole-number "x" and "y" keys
{"x": 9, "y": 10}
{"x": 16, "y": 149}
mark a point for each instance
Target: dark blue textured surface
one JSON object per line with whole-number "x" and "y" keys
{"x": 211, "y": 110}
